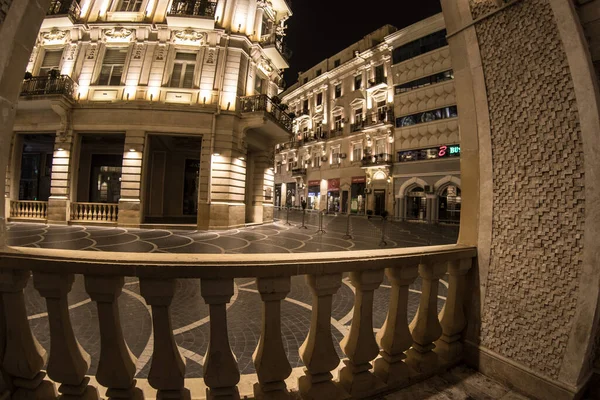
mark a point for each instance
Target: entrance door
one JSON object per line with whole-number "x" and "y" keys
{"x": 345, "y": 202}
{"x": 379, "y": 201}
{"x": 190, "y": 186}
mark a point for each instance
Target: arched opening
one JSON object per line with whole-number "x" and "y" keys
{"x": 416, "y": 204}
{"x": 449, "y": 203}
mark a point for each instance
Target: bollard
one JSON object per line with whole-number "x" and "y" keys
{"x": 287, "y": 218}
{"x": 321, "y": 230}
{"x": 383, "y": 242}
{"x": 348, "y": 235}
{"x": 303, "y": 226}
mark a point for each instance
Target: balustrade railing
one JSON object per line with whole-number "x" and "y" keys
{"x": 262, "y": 102}
{"x": 64, "y": 7}
{"x": 193, "y": 8}
{"x": 48, "y": 85}
{"x": 400, "y": 353}
{"x": 377, "y": 159}
{"x": 29, "y": 209}
{"x": 94, "y": 212}
{"x": 272, "y": 39}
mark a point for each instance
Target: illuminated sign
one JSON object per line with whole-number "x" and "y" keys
{"x": 431, "y": 153}
{"x": 449, "y": 151}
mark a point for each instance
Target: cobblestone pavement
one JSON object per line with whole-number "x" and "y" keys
{"x": 190, "y": 313}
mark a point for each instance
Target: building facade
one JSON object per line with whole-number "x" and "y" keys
{"x": 151, "y": 112}
{"x": 376, "y": 129}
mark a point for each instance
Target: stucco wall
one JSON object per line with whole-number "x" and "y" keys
{"x": 538, "y": 187}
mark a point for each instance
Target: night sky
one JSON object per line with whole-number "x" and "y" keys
{"x": 320, "y": 28}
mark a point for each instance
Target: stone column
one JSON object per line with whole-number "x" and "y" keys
{"x": 401, "y": 208}
{"x": 130, "y": 203}
{"x": 24, "y": 357}
{"x": 317, "y": 352}
{"x": 425, "y": 327}
{"x": 116, "y": 366}
{"x": 13, "y": 172}
{"x": 262, "y": 178}
{"x": 452, "y": 318}
{"x": 69, "y": 362}
{"x": 221, "y": 373}
{"x": 258, "y": 22}
{"x": 430, "y": 208}
{"x": 167, "y": 371}
{"x": 60, "y": 183}
{"x": 394, "y": 337}
{"x": 270, "y": 359}
{"x": 360, "y": 345}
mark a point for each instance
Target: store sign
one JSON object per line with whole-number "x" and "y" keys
{"x": 449, "y": 151}
{"x": 359, "y": 179}
{"x": 333, "y": 184}
{"x": 314, "y": 183}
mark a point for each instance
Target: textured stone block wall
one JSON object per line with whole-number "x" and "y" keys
{"x": 539, "y": 202}
{"x": 4, "y": 6}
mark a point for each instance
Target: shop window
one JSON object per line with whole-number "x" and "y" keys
{"x": 111, "y": 73}
{"x": 428, "y": 116}
{"x": 416, "y": 207}
{"x": 428, "y": 80}
{"x": 183, "y": 70}
{"x": 449, "y": 203}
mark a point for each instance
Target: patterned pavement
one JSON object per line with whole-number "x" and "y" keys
{"x": 190, "y": 313}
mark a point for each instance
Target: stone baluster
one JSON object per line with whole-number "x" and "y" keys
{"x": 425, "y": 327}
{"x": 68, "y": 362}
{"x": 359, "y": 344}
{"x": 317, "y": 352}
{"x": 24, "y": 357}
{"x": 167, "y": 371}
{"x": 394, "y": 337}
{"x": 221, "y": 373}
{"x": 116, "y": 366}
{"x": 270, "y": 359}
{"x": 452, "y": 318}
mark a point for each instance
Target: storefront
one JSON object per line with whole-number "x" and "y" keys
{"x": 314, "y": 195}
{"x": 277, "y": 199}
{"x": 416, "y": 204}
{"x": 333, "y": 196}
{"x": 449, "y": 203}
{"x": 290, "y": 195}
{"x": 357, "y": 195}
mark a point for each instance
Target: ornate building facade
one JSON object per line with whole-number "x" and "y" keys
{"x": 151, "y": 112}
{"x": 376, "y": 129}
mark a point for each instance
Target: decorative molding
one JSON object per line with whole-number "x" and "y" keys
{"x": 189, "y": 36}
{"x": 118, "y": 34}
{"x": 55, "y": 36}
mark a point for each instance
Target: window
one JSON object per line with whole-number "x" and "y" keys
{"x": 428, "y": 80}
{"x": 420, "y": 46}
{"x": 305, "y": 106}
{"x": 305, "y": 81}
{"x": 428, "y": 116}
{"x": 337, "y": 63}
{"x": 380, "y": 146}
{"x": 358, "y": 82}
{"x": 381, "y": 110}
{"x": 278, "y": 168}
{"x": 337, "y": 123}
{"x": 130, "y": 5}
{"x": 316, "y": 160}
{"x": 319, "y": 130}
{"x": 258, "y": 85}
{"x": 338, "y": 90}
{"x": 358, "y": 115}
{"x": 319, "y": 98}
{"x": 318, "y": 72}
{"x": 267, "y": 25}
{"x": 289, "y": 164}
{"x": 112, "y": 67}
{"x": 183, "y": 70}
{"x": 51, "y": 61}
{"x": 379, "y": 74}
{"x": 357, "y": 152}
{"x": 335, "y": 156}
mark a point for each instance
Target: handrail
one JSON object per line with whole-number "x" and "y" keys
{"x": 48, "y": 85}
{"x": 193, "y": 8}
{"x": 262, "y": 102}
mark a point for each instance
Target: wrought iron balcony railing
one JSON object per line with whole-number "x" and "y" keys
{"x": 298, "y": 172}
{"x": 377, "y": 159}
{"x": 377, "y": 81}
{"x": 64, "y": 7}
{"x": 193, "y": 8}
{"x": 262, "y": 102}
{"x": 381, "y": 117}
{"x": 48, "y": 85}
{"x": 274, "y": 40}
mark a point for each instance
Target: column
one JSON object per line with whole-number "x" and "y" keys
{"x": 221, "y": 373}
{"x": 317, "y": 352}
{"x": 270, "y": 359}
{"x": 452, "y": 318}
{"x": 425, "y": 327}
{"x": 400, "y": 206}
{"x": 69, "y": 362}
{"x": 258, "y": 22}
{"x": 430, "y": 208}
{"x": 130, "y": 204}
{"x": 167, "y": 371}
{"x": 13, "y": 172}
{"x": 60, "y": 183}
{"x": 262, "y": 178}
{"x": 394, "y": 337}
{"x": 360, "y": 345}
{"x": 24, "y": 357}
{"x": 116, "y": 366}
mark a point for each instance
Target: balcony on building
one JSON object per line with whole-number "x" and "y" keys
{"x": 62, "y": 13}
{"x": 378, "y": 118}
{"x": 266, "y": 118}
{"x": 336, "y": 132}
{"x": 379, "y": 82}
{"x": 376, "y": 160}
{"x": 298, "y": 172}
{"x": 198, "y": 14}
{"x": 41, "y": 90}
{"x": 276, "y": 50}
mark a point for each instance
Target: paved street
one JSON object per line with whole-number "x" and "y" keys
{"x": 189, "y": 312}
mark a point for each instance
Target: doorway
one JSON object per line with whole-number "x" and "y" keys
{"x": 36, "y": 166}
{"x": 379, "y": 201}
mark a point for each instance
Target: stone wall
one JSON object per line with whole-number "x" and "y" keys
{"x": 539, "y": 202}
{"x": 589, "y": 14}
{"x": 4, "y": 6}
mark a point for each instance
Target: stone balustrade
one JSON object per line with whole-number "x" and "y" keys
{"x": 94, "y": 212}
{"x": 29, "y": 209}
{"x": 401, "y": 353}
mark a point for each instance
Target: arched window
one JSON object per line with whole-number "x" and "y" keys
{"x": 449, "y": 203}
{"x": 416, "y": 207}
